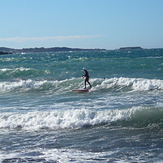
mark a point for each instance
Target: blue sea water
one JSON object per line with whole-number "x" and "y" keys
{"x": 119, "y": 120}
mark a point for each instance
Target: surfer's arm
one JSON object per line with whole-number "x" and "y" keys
{"x": 84, "y": 75}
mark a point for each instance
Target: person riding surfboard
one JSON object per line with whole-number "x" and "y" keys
{"x": 86, "y": 75}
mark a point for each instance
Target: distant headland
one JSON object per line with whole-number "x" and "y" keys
{"x": 2, "y": 53}
{"x": 4, "y": 50}
{"x": 131, "y": 48}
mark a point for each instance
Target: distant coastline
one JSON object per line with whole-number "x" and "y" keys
{"x": 3, "y": 53}
{"x": 131, "y": 48}
{"x": 4, "y": 50}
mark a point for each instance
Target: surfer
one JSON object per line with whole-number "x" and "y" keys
{"x": 86, "y": 75}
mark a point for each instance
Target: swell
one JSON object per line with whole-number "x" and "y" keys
{"x": 136, "y": 84}
{"x": 135, "y": 117}
{"x": 21, "y": 72}
{"x": 63, "y": 86}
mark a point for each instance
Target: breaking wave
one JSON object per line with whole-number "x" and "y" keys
{"x": 137, "y": 84}
{"x": 99, "y": 84}
{"x": 79, "y": 118}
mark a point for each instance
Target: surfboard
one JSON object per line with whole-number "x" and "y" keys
{"x": 81, "y": 90}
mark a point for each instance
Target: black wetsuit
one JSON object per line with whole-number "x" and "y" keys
{"x": 86, "y": 75}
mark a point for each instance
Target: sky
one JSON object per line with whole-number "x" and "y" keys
{"x": 104, "y": 24}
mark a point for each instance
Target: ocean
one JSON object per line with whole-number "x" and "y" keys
{"x": 120, "y": 120}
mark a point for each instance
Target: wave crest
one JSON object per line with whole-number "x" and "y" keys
{"x": 74, "y": 118}
{"x": 136, "y": 84}
{"x": 99, "y": 84}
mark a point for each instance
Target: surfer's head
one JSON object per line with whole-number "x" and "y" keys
{"x": 84, "y": 69}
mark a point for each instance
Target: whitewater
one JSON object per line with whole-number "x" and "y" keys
{"x": 119, "y": 120}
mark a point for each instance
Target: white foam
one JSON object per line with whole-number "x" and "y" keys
{"x": 67, "y": 155}
{"x": 5, "y": 69}
{"x": 147, "y": 84}
{"x": 61, "y": 119}
{"x": 59, "y": 155}
{"x": 16, "y": 69}
{"x": 137, "y": 84}
{"x": 29, "y": 84}
{"x": 20, "y": 84}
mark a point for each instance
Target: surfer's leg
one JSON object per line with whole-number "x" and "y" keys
{"x": 87, "y": 80}
{"x": 85, "y": 83}
{"x": 89, "y": 84}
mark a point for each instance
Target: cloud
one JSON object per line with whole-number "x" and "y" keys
{"x": 54, "y": 38}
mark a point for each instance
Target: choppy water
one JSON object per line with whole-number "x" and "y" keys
{"x": 119, "y": 120}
